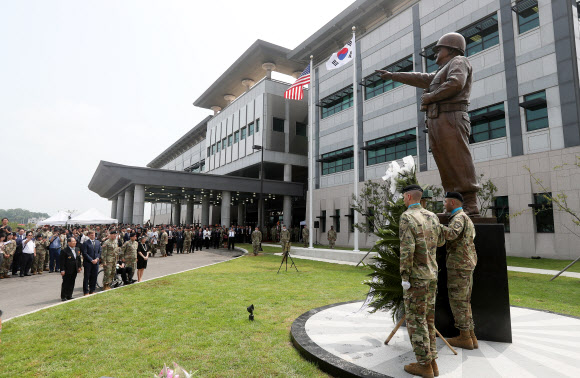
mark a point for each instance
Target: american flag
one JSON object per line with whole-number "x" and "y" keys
{"x": 295, "y": 91}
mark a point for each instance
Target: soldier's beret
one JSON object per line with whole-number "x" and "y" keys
{"x": 454, "y": 195}
{"x": 112, "y": 232}
{"x": 408, "y": 188}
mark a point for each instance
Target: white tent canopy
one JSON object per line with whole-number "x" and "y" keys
{"x": 91, "y": 216}
{"x": 58, "y": 219}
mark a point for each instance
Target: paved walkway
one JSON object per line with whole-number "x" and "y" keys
{"x": 544, "y": 345}
{"x": 22, "y": 295}
{"x": 543, "y": 271}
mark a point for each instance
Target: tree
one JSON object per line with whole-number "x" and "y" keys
{"x": 485, "y": 194}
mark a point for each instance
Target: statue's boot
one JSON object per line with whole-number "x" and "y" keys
{"x": 470, "y": 203}
{"x": 462, "y": 341}
{"x": 435, "y": 368}
{"x": 473, "y": 339}
{"x": 415, "y": 368}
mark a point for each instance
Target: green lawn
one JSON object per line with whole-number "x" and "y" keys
{"x": 551, "y": 264}
{"x": 536, "y": 291}
{"x": 197, "y": 319}
{"x": 300, "y": 244}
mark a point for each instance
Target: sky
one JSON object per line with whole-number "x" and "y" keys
{"x": 114, "y": 80}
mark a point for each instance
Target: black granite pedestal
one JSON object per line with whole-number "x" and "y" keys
{"x": 490, "y": 298}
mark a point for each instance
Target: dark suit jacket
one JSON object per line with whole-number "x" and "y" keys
{"x": 90, "y": 253}
{"x": 68, "y": 264}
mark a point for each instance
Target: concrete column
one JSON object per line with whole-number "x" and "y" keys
{"x": 287, "y": 204}
{"x": 261, "y": 213}
{"x": 204, "y": 211}
{"x": 241, "y": 213}
{"x": 114, "y": 208}
{"x": 139, "y": 204}
{"x": 176, "y": 210}
{"x": 226, "y": 208}
{"x": 128, "y": 206}
{"x": 120, "y": 206}
{"x": 189, "y": 212}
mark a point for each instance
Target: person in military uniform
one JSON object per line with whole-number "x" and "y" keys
{"x": 256, "y": 240}
{"x": 420, "y": 235}
{"x": 163, "y": 240}
{"x": 445, "y": 100}
{"x": 109, "y": 259}
{"x": 188, "y": 235}
{"x": 305, "y": 236}
{"x": 461, "y": 262}
{"x": 8, "y": 250}
{"x": 129, "y": 256}
{"x": 47, "y": 235}
{"x": 41, "y": 251}
{"x": 274, "y": 234}
{"x": 285, "y": 242}
{"x": 331, "y": 236}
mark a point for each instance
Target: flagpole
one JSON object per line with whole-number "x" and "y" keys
{"x": 355, "y": 124}
{"x": 311, "y": 158}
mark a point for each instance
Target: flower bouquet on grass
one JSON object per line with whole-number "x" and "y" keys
{"x": 176, "y": 372}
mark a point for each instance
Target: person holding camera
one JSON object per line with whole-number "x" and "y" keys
{"x": 28, "y": 254}
{"x": 54, "y": 252}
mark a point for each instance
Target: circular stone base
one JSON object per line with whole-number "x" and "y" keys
{"x": 345, "y": 342}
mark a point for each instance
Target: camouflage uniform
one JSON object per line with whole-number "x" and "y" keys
{"x": 47, "y": 235}
{"x": 274, "y": 234}
{"x": 305, "y": 236}
{"x": 420, "y": 235}
{"x": 285, "y": 240}
{"x": 9, "y": 249}
{"x": 41, "y": 252}
{"x": 163, "y": 243}
{"x": 109, "y": 260}
{"x": 331, "y": 237}
{"x": 256, "y": 241}
{"x": 129, "y": 254}
{"x": 461, "y": 261}
{"x": 187, "y": 241}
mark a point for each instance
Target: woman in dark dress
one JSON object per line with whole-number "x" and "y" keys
{"x": 142, "y": 257}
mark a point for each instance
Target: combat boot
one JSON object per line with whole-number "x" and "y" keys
{"x": 415, "y": 368}
{"x": 462, "y": 341}
{"x": 470, "y": 204}
{"x": 473, "y": 339}
{"x": 435, "y": 368}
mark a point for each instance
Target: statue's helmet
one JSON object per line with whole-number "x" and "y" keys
{"x": 451, "y": 40}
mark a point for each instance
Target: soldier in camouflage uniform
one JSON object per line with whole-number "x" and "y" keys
{"x": 129, "y": 256}
{"x": 188, "y": 235}
{"x": 109, "y": 259}
{"x": 461, "y": 261}
{"x": 305, "y": 236}
{"x": 41, "y": 252}
{"x": 163, "y": 240}
{"x": 331, "y": 237}
{"x": 274, "y": 234}
{"x": 420, "y": 235}
{"x": 285, "y": 242}
{"x": 47, "y": 235}
{"x": 256, "y": 240}
{"x": 8, "y": 250}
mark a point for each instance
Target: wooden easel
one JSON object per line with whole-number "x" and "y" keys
{"x": 399, "y": 325}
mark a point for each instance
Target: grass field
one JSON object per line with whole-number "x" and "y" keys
{"x": 199, "y": 320}
{"x": 551, "y": 264}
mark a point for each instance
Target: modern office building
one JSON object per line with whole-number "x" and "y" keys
{"x": 524, "y": 113}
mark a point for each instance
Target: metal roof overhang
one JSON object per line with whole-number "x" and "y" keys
{"x": 363, "y": 14}
{"x": 110, "y": 179}
{"x": 248, "y": 66}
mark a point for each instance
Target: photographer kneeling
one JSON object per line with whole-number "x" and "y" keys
{"x": 125, "y": 271}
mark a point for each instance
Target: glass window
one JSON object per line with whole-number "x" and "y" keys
{"x": 323, "y": 221}
{"x": 251, "y": 129}
{"x": 230, "y": 139}
{"x": 487, "y": 123}
{"x": 370, "y": 215}
{"x": 224, "y": 144}
{"x": 278, "y": 125}
{"x": 337, "y": 102}
{"x": 300, "y": 129}
{"x": 351, "y": 220}
{"x": 236, "y": 137}
{"x": 392, "y": 147}
{"x": 337, "y": 220}
{"x": 544, "y": 213}
{"x": 218, "y": 144}
{"x": 209, "y": 151}
{"x": 243, "y": 131}
{"x": 374, "y": 85}
{"x": 338, "y": 161}
{"x": 537, "y": 116}
{"x": 429, "y": 54}
{"x": 528, "y": 16}
{"x": 482, "y": 35}
{"x": 258, "y": 125}
{"x": 502, "y": 211}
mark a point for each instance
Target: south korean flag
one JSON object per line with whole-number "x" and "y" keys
{"x": 342, "y": 57}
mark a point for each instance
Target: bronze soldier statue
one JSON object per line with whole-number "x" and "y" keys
{"x": 445, "y": 101}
